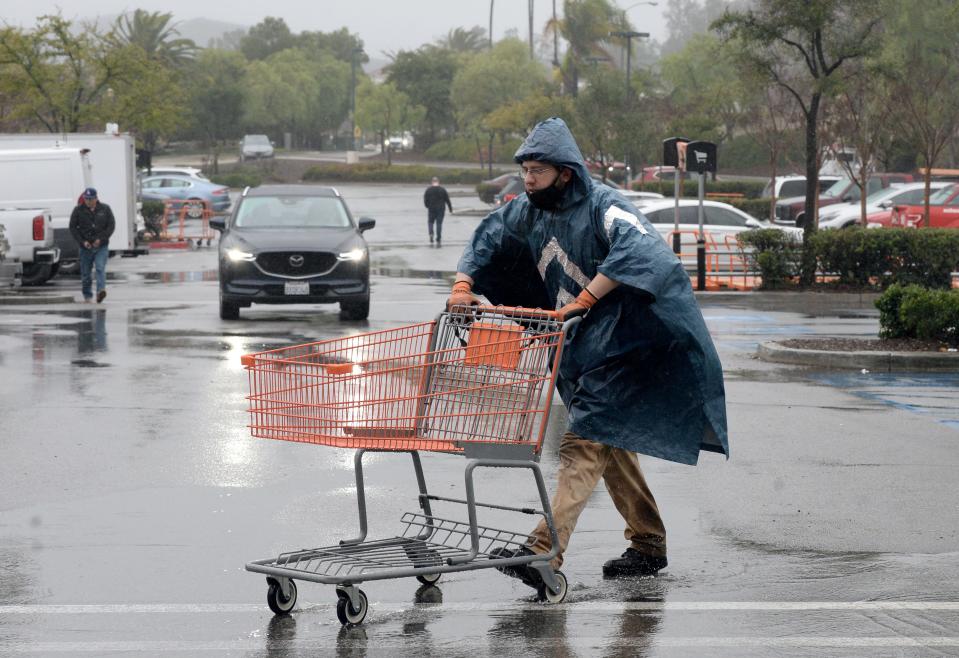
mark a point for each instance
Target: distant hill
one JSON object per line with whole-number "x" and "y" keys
{"x": 203, "y": 30}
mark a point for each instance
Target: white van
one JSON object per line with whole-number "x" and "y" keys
{"x": 111, "y": 161}
{"x": 52, "y": 178}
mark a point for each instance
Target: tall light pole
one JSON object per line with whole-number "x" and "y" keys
{"x": 628, "y": 35}
{"x": 353, "y": 54}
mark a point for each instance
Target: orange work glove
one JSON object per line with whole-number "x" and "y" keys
{"x": 462, "y": 295}
{"x": 583, "y": 302}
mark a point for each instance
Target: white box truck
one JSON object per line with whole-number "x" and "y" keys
{"x": 111, "y": 163}
{"x": 46, "y": 178}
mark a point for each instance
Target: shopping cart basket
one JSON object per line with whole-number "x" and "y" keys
{"x": 476, "y": 381}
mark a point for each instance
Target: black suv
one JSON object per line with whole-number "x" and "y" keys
{"x": 293, "y": 244}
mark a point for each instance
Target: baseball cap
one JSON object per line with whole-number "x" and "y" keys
{"x": 90, "y": 193}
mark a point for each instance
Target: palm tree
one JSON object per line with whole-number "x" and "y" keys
{"x": 153, "y": 32}
{"x": 461, "y": 40}
{"x": 585, "y": 26}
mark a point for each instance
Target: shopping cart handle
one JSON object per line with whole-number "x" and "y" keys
{"x": 518, "y": 311}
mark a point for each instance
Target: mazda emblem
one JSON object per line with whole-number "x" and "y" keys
{"x": 296, "y": 260}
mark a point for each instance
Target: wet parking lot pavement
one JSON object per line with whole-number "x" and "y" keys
{"x": 133, "y": 495}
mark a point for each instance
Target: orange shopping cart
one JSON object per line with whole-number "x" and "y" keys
{"x": 475, "y": 381}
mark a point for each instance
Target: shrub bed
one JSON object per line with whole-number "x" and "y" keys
{"x": 917, "y": 312}
{"x": 238, "y": 178}
{"x": 774, "y": 253}
{"x": 749, "y": 189}
{"x": 881, "y": 257}
{"x": 152, "y": 210}
{"x": 381, "y": 173}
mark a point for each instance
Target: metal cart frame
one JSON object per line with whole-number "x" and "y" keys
{"x": 429, "y": 546}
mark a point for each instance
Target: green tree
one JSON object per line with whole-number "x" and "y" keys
{"x": 278, "y": 91}
{"x": 702, "y": 82}
{"x": 217, "y": 98}
{"x": 585, "y": 26}
{"x": 384, "y": 109}
{"x": 921, "y": 64}
{"x": 59, "y": 75}
{"x": 491, "y": 80}
{"x": 801, "y": 46}
{"x": 427, "y": 75}
{"x": 148, "y": 102}
{"x": 156, "y": 36}
{"x": 461, "y": 40}
{"x": 341, "y": 44}
{"x": 271, "y": 35}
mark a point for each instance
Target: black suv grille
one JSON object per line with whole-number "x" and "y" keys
{"x": 282, "y": 262}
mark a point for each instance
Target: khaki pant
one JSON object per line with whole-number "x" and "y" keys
{"x": 581, "y": 464}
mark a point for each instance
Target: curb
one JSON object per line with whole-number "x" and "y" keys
{"x": 859, "y": 360}
{"x": 28, "y": 299}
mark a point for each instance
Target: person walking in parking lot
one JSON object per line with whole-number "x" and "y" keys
{"x": 639, "y": 373}
{"x": 91, "y": 225}
{"x": 437, "y": 200}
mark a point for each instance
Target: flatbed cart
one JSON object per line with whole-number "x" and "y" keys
{"x": 476, "y": 381}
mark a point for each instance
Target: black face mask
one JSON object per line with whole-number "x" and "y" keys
{"x": 547, "y": 198}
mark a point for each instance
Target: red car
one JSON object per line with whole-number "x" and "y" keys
{"x": 943, "y": 211}
{"x": 790, "y": 211}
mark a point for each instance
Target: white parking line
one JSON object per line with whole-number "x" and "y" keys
{"x": 154, "y": 647}
{"x": 585, "y": 606}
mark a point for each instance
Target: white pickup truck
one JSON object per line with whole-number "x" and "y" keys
{"x": 29, "y": 234}
{"x": 10, "y": 270}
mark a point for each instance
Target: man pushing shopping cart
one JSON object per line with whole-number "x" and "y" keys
{"x": 627, "y": 350}
{"x": 639, "y": 373}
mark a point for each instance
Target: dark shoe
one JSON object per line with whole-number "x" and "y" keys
{"x": 524, "y": 572}
{"x": 633, "y": 563}
{"x": 431, "y": 239}
{"x": 101, "y": 295}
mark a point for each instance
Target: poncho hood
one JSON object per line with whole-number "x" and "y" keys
{"x": 551, "y": 141}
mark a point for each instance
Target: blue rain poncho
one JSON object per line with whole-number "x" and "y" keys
{"x": 640, "y": 372}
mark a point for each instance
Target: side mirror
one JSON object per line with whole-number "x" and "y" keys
{"x": 365, "y": 224}
{"x": 218, "y": 224}
{"x": 753, "y": 223}
{"x": 886, "y": 205}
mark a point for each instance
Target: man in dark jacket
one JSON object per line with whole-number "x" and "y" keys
{"x": 639, "y": 373}
{"x": 91, "y": 225}
{"x": 436, "y": 200}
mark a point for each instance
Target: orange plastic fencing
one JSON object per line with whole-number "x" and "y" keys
{"x": 430, "y": 386}
{"x": 727, "y": 266}
{"x": 178, "y": 212}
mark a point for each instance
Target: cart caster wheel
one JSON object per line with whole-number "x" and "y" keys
{"x": 347, "y": 615}
{"x": 546, "y": 595}
{"x": 429, "y": 578}
{"x": 274, "y": 598}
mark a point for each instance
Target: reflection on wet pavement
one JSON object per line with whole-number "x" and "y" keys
{"x": 932, "y": 394}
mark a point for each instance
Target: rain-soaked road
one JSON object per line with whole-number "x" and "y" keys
{"x": 131, "y": 495}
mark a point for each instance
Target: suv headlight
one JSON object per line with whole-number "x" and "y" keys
{"x": 353, "y": 255}
{"x": 237, "y": 255}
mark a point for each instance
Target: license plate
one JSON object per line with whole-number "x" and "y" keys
{"x": 296, "y": 288}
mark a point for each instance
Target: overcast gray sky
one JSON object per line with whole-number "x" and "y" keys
{"x": 384, "y": 25}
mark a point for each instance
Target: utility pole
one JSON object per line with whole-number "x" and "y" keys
{"x": 555, "y": 39}
{"x": 530, "y": 4}
{"x": 628, "y": 35}
{"x": 353, "y": 54}
{"x": 491, "y": 24}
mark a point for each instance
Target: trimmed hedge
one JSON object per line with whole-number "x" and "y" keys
{"x": 774, "y": 253}
{"x": 152, "y": 209}
{"x": 463, "y": 149}
{"x": 917, "y": 312}
{"x": 381, "y": 173}
{"x": 758, "y": 208}
{"x": 238, "y": 179}
{"x": 749, "y": 189}
{"x": 882, "y": 257}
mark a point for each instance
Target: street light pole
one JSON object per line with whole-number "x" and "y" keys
{"x": 356, "y": 51}
{"x": 628, "y": 35}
